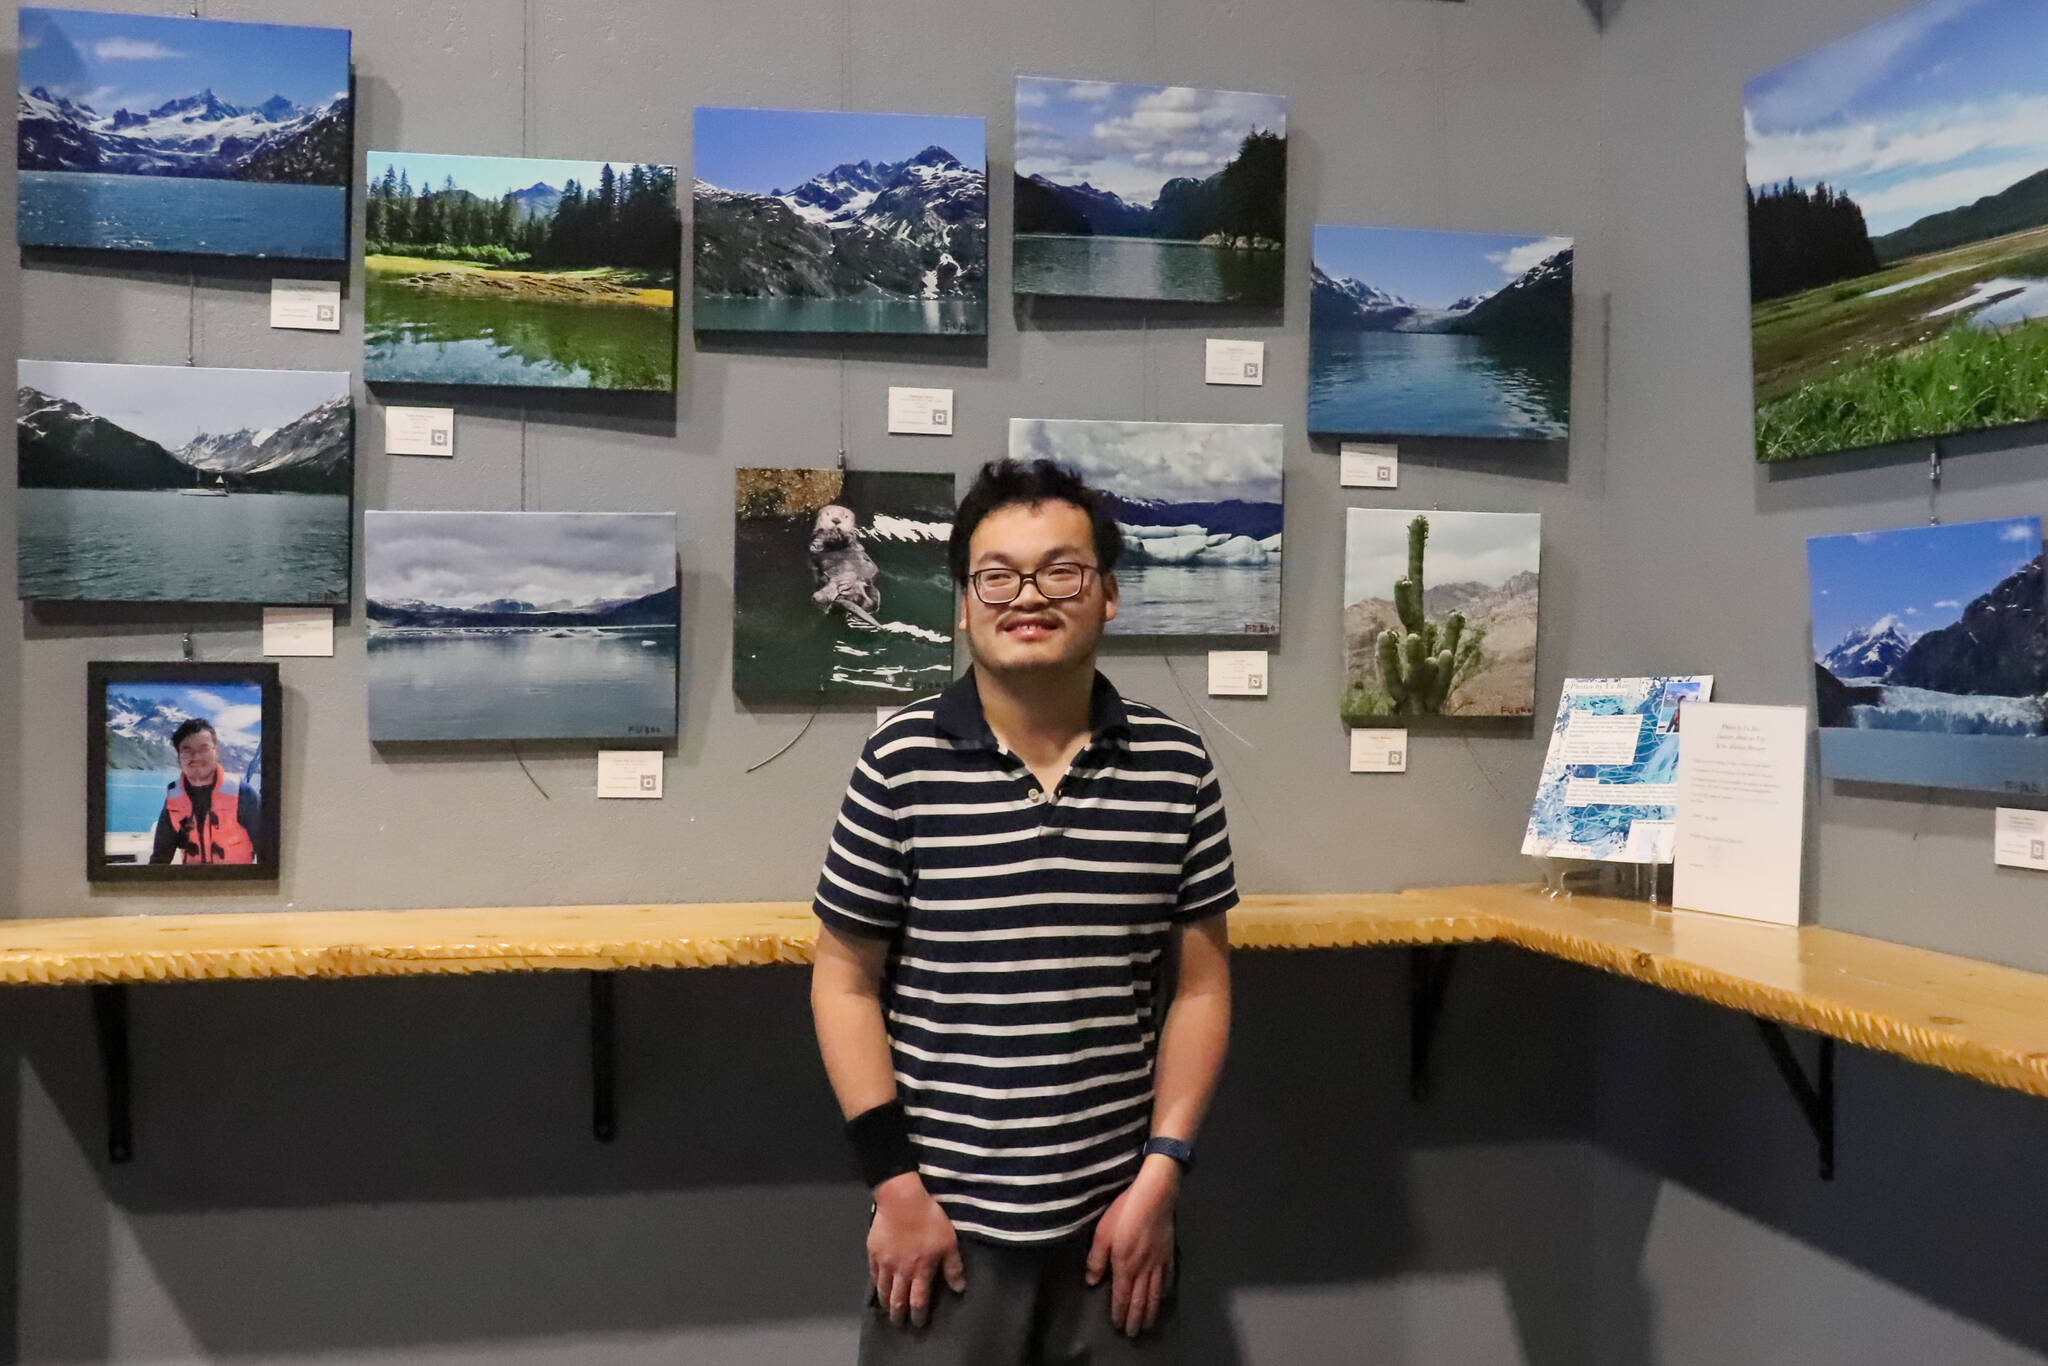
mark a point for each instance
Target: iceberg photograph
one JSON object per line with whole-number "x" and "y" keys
{"x": 153, "y": 133}
{"x": 180, "y": 483}
{"x": 830, "y": 221}
{"x": 1440, "y": 613}
{"x": 1149, "y": 192}
{"x": 1930, "y": 655}
{"x": 1199, "y": 505}
{"x": 521, "y": 625}
{"x": 1418, "y": 333}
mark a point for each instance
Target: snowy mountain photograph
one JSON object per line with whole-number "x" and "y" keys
{"x": 142, "y": 710}
{"x": 520, "y": 272}
{"x": 521, "y": 625}
{"x": 1199, "y": 505}
{"x": 829, "y": 221}
{"x": 177, "y": 483}
{"x": 193, "y": 136}
{"x": 1167, "y": 193}
{"x": 1930, "y": 650}
{"x": 1441, "y": 334}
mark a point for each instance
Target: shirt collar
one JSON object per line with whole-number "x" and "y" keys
{"x": 958, "y": 713}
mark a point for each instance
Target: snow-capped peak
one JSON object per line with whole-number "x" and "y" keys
{"x": 1870, "y": 652}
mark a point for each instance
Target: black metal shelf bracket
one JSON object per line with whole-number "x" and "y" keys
{"x": 1816, "y": 1097}
{"x": 110, "y": 1029}
{"x": 604, "y": 1056}
{"x": 1429, "y": 976}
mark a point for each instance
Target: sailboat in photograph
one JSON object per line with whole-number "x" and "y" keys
{"x": 201, "y": 489}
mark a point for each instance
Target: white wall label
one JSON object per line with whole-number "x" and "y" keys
{"x": 1590, "y": 738}
{"x": 1239, "y": 673}
{"x": 314, "y": 305}
{"x": 629, "y": 773}
{"x": 1234, "y": 362}
{"x": 1364, "y": 466}
{"x": 1741, "y": 811}
{"x": 298, "y": 630}
{"x": 419, "y": 431}
{"x": 2021, "y": 839}
{"x": 920, "y": 412}
{"x": 1379, "y": 751}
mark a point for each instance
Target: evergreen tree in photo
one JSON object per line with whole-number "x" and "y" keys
{"x": 1803, "y": 239}
{"x": 627, "y": 220}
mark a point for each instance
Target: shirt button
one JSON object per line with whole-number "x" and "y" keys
{"x": 1034, "y": 796}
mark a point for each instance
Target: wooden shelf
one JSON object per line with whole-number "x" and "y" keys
{"x": 1979, "y": 1019}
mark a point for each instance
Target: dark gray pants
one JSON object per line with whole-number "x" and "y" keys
{"x": 1025, "y": 1305}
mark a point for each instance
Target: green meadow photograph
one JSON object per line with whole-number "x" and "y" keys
{"x": 1898, "y": 231}
{"x": 520, "y": 272}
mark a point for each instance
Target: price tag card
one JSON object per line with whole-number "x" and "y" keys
{"x": 1234, "y": 362}
{"x": 1379, "y": 751}
{"x": 298, "y": 631}
{"x": 629, "y": 773}
{"x": 2021, "y": 839}
{"x": 419, "y": 431}
{"x": 314, "y": 305}
{"x": 1363, "y": 466}
{"x": 920, "y": 412}
{"x": 1238, "y": 673}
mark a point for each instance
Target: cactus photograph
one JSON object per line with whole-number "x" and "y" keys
{"x": 1440, "y": 613}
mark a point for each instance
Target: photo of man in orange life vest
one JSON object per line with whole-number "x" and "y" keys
{"x": 208, "y": 816}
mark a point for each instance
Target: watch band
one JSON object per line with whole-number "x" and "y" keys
{"x": 1173, "y": 1148}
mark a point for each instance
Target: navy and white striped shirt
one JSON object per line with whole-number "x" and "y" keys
{"x": 1026, "y": 936}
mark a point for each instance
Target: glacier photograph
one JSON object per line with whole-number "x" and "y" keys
{"x": 176, "y": 483}
{"x": 1930, "y": 655}
{"x": 1416, "y": 333}
{"x": 151, "y": 133}
{"x": 838, "y": 222}
{"x": 1200, "y": 510}
{"x": 1166, "y": 193}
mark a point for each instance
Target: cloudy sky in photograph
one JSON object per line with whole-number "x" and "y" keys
{"x": 1929, "y": 110}
{"x": 138, "y": 61}
{"x": 1918, "y": 577}
{"x": 1131, "y": 139}
{"x": 234, "y": 709}
{"x": 171, "y": 404}
{"x": 461, "y": 559}
{"x": 1167, "y": 462}
{"x": 1428, "y": 268}
{"x": 1464, "y": 547}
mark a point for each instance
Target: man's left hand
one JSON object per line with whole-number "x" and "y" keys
{"x": 1134, "y": 1244}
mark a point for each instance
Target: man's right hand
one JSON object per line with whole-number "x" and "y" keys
{"x": 911, "y": 1239}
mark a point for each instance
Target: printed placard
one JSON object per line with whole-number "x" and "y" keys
{"x": 1234, "y": 362}
{"x": 1239, "y": 673}
{"x": 629, "y": 773}
{"x": 1363, "y": 465}
{"x": 2020, "y": 839}
{"x": 298, "y": 631}
{"x": 1590, "y": 738}
{"x": 1379, "y": 751}
{"x": 419, "y": 431}
{"x": 920, "y": 412}
{"x": 311, "y": 305}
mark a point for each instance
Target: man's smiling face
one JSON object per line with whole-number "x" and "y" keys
{"x": 1035, "y": 632}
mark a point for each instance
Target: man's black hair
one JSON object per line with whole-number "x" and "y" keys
{"x": 192, "y": 727}
{"x": 1008, "y": 483}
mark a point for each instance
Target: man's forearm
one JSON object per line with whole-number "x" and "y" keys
{"x": 1192, "y": 1044}
{"x": 855, "y": 1047}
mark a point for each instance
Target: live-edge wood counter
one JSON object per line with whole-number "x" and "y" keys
{"x": 1979, "y": 1019}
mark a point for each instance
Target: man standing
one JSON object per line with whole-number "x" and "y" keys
{"x": 1022, "y": 988}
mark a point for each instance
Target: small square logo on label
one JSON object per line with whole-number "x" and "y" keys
{"x": 1255, "y": 680}
{"x": 938, "y": 417}
{"x": 324, "y": 312}
{"x": 2038, "y": 850}
{"x": 1251, "y": 370}
{"x": 1393, "y": 757}
{"x": 647, "y": 782}
{"x": 437, "y": 437}
{"x": 1384, "y": 474}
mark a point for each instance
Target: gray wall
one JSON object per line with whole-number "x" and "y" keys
{"x": 379, "y": 1172}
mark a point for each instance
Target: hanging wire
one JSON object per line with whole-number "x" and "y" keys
{"x": 1251, "y": 804}
{"x": 786, "y": 748}
{"x": 529, "y": 772}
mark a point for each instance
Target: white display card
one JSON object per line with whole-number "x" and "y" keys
{"x": 298, "y": 631}
{"x": 312, "y": 305}
{"x": 629, "y": 773}
{"x": 920, "y": 412}
{"x": 1361, "y": 465}
{"x": 419, "y": 431}
{"x": 1234, "y": 362}
{"x": 2020, "y": 839}
{"x": 1741, "y": 811}
{"x": 1238, "y": 673}
{"x": 1379, "y": 751}
{"x": 1594, "y": 739}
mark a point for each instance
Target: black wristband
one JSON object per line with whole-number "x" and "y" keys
{"x": 881, "y": 1140}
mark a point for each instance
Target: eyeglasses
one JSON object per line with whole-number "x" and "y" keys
{"x": 1054, "y": 582}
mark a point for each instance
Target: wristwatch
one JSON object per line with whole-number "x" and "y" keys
{"x": 1173, "y": 1148}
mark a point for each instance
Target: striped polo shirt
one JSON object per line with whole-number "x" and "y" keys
{"x": 1027, "y": 931}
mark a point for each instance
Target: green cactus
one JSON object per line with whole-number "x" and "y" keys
{"x": 1420, "y": 665}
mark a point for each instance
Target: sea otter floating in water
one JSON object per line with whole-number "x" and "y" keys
{"x": 845, "y": 571}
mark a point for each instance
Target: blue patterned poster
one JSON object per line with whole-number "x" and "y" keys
{"x": 1608, "y": 790}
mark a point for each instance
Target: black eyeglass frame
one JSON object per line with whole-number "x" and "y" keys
{"x": 974, "y": 582}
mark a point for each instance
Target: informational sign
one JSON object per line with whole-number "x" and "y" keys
{"x": 1361, "y": 465}
{"x": 311, "y": 305}
{"x": 920, "y": 412}
{"x": 629, "y": 773}
{"x": 1239, "y": 673}
{"x": 298, "y": 631}
{"x": 2020, "y": 839}
{"x": 1234, "y": 362}
{"x": 1741, "y": 811}
{"x": 419, "y": 431}
{"x": 1608, "y": 789}
{"x": 1379, "y": 751}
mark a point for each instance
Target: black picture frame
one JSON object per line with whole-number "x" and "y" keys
{"x": 104, "y": 677}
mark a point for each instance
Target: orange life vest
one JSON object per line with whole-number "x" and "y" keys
{"x": 223, "y": 840}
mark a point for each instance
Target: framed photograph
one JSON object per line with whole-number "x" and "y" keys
{"x": 1158, "y": 192}
{"x": 521, "y": 625}
{"x": 517, "y": 272}
{"x": 832, "y": 221}
{"x": 204, "y": 137}
{"x": 179, "y": 483}
{"x": 1199, "y": 505}
{"x": 1450, "y": 334}
{"x": 181, "y": 771}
